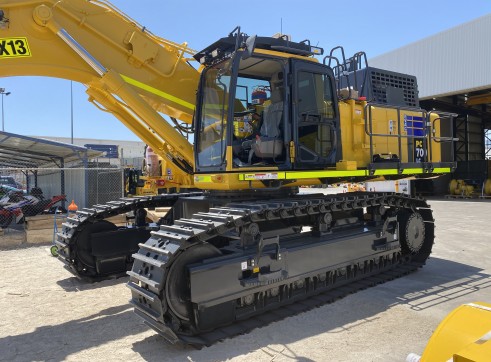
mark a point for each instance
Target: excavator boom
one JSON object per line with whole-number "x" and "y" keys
{"x": 128, "y": 71}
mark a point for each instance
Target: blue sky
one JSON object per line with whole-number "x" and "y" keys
{"x": 41, "y": 106}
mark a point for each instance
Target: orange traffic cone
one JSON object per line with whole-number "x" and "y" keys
{"x": 72, "y": 208}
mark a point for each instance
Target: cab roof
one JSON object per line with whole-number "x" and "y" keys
{"x": 224, "y": 47}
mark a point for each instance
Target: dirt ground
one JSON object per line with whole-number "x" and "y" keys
{"x": 47, "y": 314}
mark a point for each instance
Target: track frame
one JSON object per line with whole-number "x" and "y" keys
{"x": 354, "y": 240}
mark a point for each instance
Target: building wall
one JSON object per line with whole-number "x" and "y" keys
{"x": 453, "y": 61}
{"x": 85, "y": 186}
{"x": 50, "y": 183}
{"x": 101, "y": 182}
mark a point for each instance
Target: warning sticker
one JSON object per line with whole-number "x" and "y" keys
{"x": 261, "y": 176}
{"x": 14, "y": 48}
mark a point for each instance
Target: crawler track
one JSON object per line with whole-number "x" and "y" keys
{"x": 303, "y": 305}
{"x": 195, "y": 282}
{"x": 97, "y": 261}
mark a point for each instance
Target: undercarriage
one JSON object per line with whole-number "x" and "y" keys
{"x": 217, "y": 267}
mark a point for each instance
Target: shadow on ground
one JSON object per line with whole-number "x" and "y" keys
{"x": 57, "y": 342}
{"x": 73, "y": 284}
{"x": 440, "y": 281}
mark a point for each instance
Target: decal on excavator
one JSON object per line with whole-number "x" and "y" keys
{"x": 261, "y": 176}
{"x": 14, "y": 47}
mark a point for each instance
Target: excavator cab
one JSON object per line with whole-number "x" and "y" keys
{"x": 235, "y": 131}
{"x": 315, "y": 122}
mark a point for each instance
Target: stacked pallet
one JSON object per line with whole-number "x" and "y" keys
{"x": 40, "y": 228}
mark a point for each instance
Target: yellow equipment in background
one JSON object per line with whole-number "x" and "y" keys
{"x": 463, "y": 336}
{"x": 487, "y": 187}
{"x": 459, "y": 187}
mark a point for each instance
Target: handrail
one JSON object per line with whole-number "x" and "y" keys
{"x": 399, "y": 135}
{"x": 341, "y": 69}
{"x": 428, "y": 128}
{"x": 441, "y": 116}
{"x": 338, "y": 70}
{"x": 348, "y": 68}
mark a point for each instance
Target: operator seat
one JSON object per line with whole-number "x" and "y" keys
{"x": 272, "y": 115}
{"x": 270, "y": 144}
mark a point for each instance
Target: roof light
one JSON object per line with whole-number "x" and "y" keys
{"x": 316, "y": 50}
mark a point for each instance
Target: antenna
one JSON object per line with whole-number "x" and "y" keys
{"x": 281, "y": 26}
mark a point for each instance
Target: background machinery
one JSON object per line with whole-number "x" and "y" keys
{"x": 266, "y": 117}
{"x": 462, "y": 336}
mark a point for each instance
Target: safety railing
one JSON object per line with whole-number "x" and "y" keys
{"x": 346, "y": 70}
{"x": 441, "y": 116}
{"x": 369, "y": 127}
{"x": 417, "y": 124}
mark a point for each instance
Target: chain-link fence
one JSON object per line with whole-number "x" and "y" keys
{"x": 34, "y": 202}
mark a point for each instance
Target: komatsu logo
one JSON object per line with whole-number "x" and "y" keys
{"x": 14, "y": 47}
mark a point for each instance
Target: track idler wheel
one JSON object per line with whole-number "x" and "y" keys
{"x": 415, "y": 241}
{"x": 177, "y": 286}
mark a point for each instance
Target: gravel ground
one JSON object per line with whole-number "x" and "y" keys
{"x": 47, "y": 314}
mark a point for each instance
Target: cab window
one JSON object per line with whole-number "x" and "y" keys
{"x": 258, "y": 137}
{"x": 314, "y": 111}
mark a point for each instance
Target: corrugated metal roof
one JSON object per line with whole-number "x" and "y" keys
{"x": 454, "y": 61}
{"x": 21, "y": 151}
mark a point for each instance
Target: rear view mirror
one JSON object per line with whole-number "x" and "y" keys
{"x": 250, "y": 44}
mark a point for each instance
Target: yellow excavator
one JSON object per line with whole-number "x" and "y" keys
{"x": 240, "y": 246}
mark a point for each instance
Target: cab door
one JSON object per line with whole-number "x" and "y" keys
{"x": 315, "y": 116}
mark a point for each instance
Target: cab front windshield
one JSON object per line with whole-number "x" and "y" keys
{"x": 211, "y": 134}
{"x": 256, "y": 128}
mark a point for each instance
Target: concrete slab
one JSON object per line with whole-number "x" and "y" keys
{"x": 48, "y": 314}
